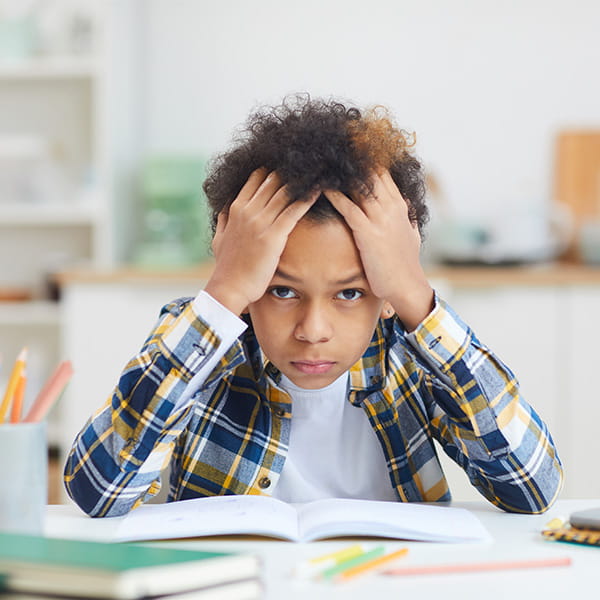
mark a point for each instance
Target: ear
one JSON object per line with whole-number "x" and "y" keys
{"x": 387, "y": 310}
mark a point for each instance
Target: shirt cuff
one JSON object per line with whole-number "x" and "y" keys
{"x": 225, "y": 324}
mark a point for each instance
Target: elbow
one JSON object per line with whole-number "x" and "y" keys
{"x": 534, "y": 495}
{"x": 90, "y": 493}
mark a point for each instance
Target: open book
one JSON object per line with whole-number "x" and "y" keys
{"x": 266, "y": 516}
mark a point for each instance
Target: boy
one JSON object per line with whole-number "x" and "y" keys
{"x": 318, "y": 361}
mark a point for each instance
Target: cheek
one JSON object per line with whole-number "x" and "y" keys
{"x": 270, "y": 326}
{"x": 357, "y": 327}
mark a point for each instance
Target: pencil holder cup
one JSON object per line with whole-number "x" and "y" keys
{"x": 23, "y": 477}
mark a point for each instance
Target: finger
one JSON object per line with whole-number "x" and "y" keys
{"x": 395, "y": 194}
{"x": 251, "y": 186}
{"x": 275, "y": 204}
{"x": 219, "y": 230}
{"x": 386, "y": 177}
{"x": 352, "y": 212}
{"x": 222, "y": 219}
{"x": 265, "y": 192}
{"x": 289, "y": 217}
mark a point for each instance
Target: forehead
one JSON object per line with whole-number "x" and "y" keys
{"x": 321, "y": 251}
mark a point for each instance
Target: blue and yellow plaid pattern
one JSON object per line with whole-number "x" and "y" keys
{"x": 438, "y": 383}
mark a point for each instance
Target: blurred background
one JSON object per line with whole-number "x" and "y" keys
{"x": 111, "y": 109}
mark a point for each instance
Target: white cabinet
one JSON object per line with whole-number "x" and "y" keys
{"x": 580, "y": 404}
{"x": 55, "y": 205}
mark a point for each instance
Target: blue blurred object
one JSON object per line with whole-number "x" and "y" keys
{"x": 176, "y": 224}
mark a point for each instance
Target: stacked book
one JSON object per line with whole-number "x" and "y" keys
{"x": 40, "y": 568}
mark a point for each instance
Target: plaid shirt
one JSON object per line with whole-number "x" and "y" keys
{"x": 231, "y": 436}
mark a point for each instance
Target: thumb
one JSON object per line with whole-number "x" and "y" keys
{"x": 219, "y": 230}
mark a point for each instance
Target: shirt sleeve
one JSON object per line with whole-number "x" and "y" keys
{"x": 479, "y": 417}
{"x": 116, "y": 460}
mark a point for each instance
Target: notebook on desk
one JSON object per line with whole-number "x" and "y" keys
{"x": 320, "y": 519}
{"x": 85, "y": 569}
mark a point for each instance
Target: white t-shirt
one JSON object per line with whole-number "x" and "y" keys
{"x": 333, "y": 450}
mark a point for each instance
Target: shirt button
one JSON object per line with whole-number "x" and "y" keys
{"x": 279, "y": 412}
{"x": 264, "y": 483}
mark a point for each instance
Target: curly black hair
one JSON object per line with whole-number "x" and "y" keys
{"x": 318, "y": 143}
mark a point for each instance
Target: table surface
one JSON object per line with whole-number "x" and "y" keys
{"x": 514, "y": 537}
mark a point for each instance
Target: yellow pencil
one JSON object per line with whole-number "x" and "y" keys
{"x": 317, "y": 564}
{"x": 339, "y": 555}
{"x": 17, "y": 405}
{"x": 13, "y": 381}
{"x": 370, "y": 565}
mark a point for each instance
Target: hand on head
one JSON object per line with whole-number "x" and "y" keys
{"x": 389, "y": 246}
{"x": 250, "y": 238}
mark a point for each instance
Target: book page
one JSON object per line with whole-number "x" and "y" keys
{"x": 400, "y": 520}
{"x": 215, "y": 515}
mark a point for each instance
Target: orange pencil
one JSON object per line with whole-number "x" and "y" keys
{"x": 17, "y": 405}
{"x": 50, "y": 392}
{"x": 370, "y": 565}
{"x": 12, "y": 384}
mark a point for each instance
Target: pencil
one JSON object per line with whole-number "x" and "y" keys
{"x": 13, "y": 381}
{"x": 50, "y": 392}
{"x": 335, "y": 570}
{"x": 370, "y": 565}
{"x": 17, "y": 405}
{"x": 318, "y": 564}
{"x": 563, "y": 561}
{"x": 339, "y": 555}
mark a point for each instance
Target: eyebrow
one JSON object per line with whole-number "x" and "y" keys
{"x": 354, "y": 278}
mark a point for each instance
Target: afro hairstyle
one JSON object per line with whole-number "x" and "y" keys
{"x": 315, "y": 143}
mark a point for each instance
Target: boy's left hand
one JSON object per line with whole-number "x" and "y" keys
{"x": 389, "y": 246}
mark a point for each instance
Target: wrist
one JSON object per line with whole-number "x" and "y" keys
{"x": 231, "y": 299}
{"x": 412, "y": 307}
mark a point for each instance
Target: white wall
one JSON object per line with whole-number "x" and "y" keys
{"x": 485, "y": 84}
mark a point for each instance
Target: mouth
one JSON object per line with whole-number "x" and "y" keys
{"x": 313, "y": 367}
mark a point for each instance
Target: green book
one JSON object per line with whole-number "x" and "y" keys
{"x": 88, "y": 569}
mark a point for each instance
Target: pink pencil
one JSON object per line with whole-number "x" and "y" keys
{"x": 563, "y": 561}
{"x": 50, "y": 392}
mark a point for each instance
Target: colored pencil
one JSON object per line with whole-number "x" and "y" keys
{"x": 339, "y": 555}
{"x": 335, "y": 570}
{"x": 13, "y": 381}
{"x": 50, "y": 392}
{"x": 369, "y": 566}
{"x": 563, "y": 561}
{"x": 17, "y": 405}
{"x": 318, "y": 564}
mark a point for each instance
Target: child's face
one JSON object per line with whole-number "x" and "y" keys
{"x": 318, "y": 314}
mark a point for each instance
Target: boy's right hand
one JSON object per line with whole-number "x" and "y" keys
{"x": 250, "y": 239}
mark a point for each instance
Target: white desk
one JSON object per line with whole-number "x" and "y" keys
{"x": 514, "y": 537}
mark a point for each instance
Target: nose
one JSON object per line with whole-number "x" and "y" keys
{"x": 314, "y": 324}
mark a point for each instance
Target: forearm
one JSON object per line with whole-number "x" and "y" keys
{"x": 116, "y": 460}
{"x": 481, "y": 419}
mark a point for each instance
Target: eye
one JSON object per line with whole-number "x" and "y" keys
{"x": 282, "y": 292}
{"x": 349, "y": 294}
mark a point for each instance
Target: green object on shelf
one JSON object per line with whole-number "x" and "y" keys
{"x": 176, "y": 223}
